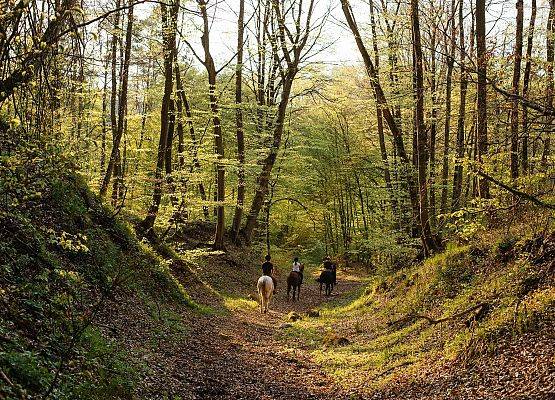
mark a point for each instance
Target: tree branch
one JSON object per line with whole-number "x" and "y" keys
{"x": 516, "y": 192}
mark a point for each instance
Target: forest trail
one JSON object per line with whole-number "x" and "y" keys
{"x": 240, "y": 355}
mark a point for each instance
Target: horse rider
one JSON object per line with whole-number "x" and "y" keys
{"x": 268, "y": 269}
{"x": 297, "y": 268}
{"x": 329, "y": 265}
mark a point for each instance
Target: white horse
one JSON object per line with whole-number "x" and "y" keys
{"x": 265, "y": 286}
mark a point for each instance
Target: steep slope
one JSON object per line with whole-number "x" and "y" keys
{"x": 66, "y": 263}
{"x": 476, "y": 321}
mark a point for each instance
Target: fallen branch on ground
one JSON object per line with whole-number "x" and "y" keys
{"x": 387, "y": 371}
{"x": 431, "y": 321}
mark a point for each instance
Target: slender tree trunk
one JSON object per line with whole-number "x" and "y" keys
{"x": 217, "y": 128}
{"x": 525, "y": 88}
{"x": 192, "y": 134}
{"x": 113, "y": 100}
{"x": 118, "y": 122}
{"x": 168, "y": 164}
{"x": 239, "y": 125}
{"x": 433, "y": 128}
{"x": 379, "y": 117}
{"x": 428, "y": 241}
{"x": 104, "y": 112}
{"x": 447, "y": 131}
{"x": 261, "y": 38}
{"x": 481, "y": 90}
{"x": 463, "y": 86}
{"x": 181, "y": 213}
{"x": 168, "y": 38}
{"x": 550, "y": 81}
{"x": 515, "y": 88}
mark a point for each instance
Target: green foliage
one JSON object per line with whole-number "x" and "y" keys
{"x": 387, "y": 338}
{"x": 465, "y": 223}
{"x": 62, "y": 259}
{"x": 453, "y": 270}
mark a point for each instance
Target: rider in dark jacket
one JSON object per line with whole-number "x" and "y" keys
{"x": 330, "y": 266}
{"x": 268, "y": 269}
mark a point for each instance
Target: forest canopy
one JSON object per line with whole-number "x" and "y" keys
{"x": 246, "y": 115}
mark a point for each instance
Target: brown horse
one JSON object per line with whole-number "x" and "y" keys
{"x": 294, "y": 281}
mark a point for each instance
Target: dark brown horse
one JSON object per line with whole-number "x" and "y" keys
{"x": 328, "y": 278}
{"x": 294, "y": 281}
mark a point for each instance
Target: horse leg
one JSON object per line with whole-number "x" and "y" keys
{"x": 298, "y": 291}
{"x": 288, "y": 290}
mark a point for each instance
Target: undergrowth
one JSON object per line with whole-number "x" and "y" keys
{"x": 390, "y": 324}
{"x": 64, "y": 259}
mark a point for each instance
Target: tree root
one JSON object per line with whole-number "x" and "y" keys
{"x": 387, "y": 371}
{"x": 412, "y": 317}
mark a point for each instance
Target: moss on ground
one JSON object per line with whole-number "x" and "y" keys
{"x": 385, "y": 336}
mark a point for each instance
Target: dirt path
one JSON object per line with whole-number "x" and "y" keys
{"x": 238, "y": 355}
{"x": 244, "y": 355}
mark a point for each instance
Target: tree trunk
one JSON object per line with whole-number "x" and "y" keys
{"x": 379, "y": 117}
{"x": 525, "y": 88}
{"x": 237, "y": 217}
{"x": 194, "y": 151}
{"x": 104, "y": 112}
{"x": 550, "y": 83}
{"x": 168, "y": 38}
{"x": 217, "y": 128}
{"x": 515, "y": 88}
{"x": 428, "y": 241}
{"x": 117, "y": 122}
{"x": 433, "y": 128}
{"x": 463, "y": 86}
{"x": 481, "y": 90}
{"x": 447, "y": 131}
